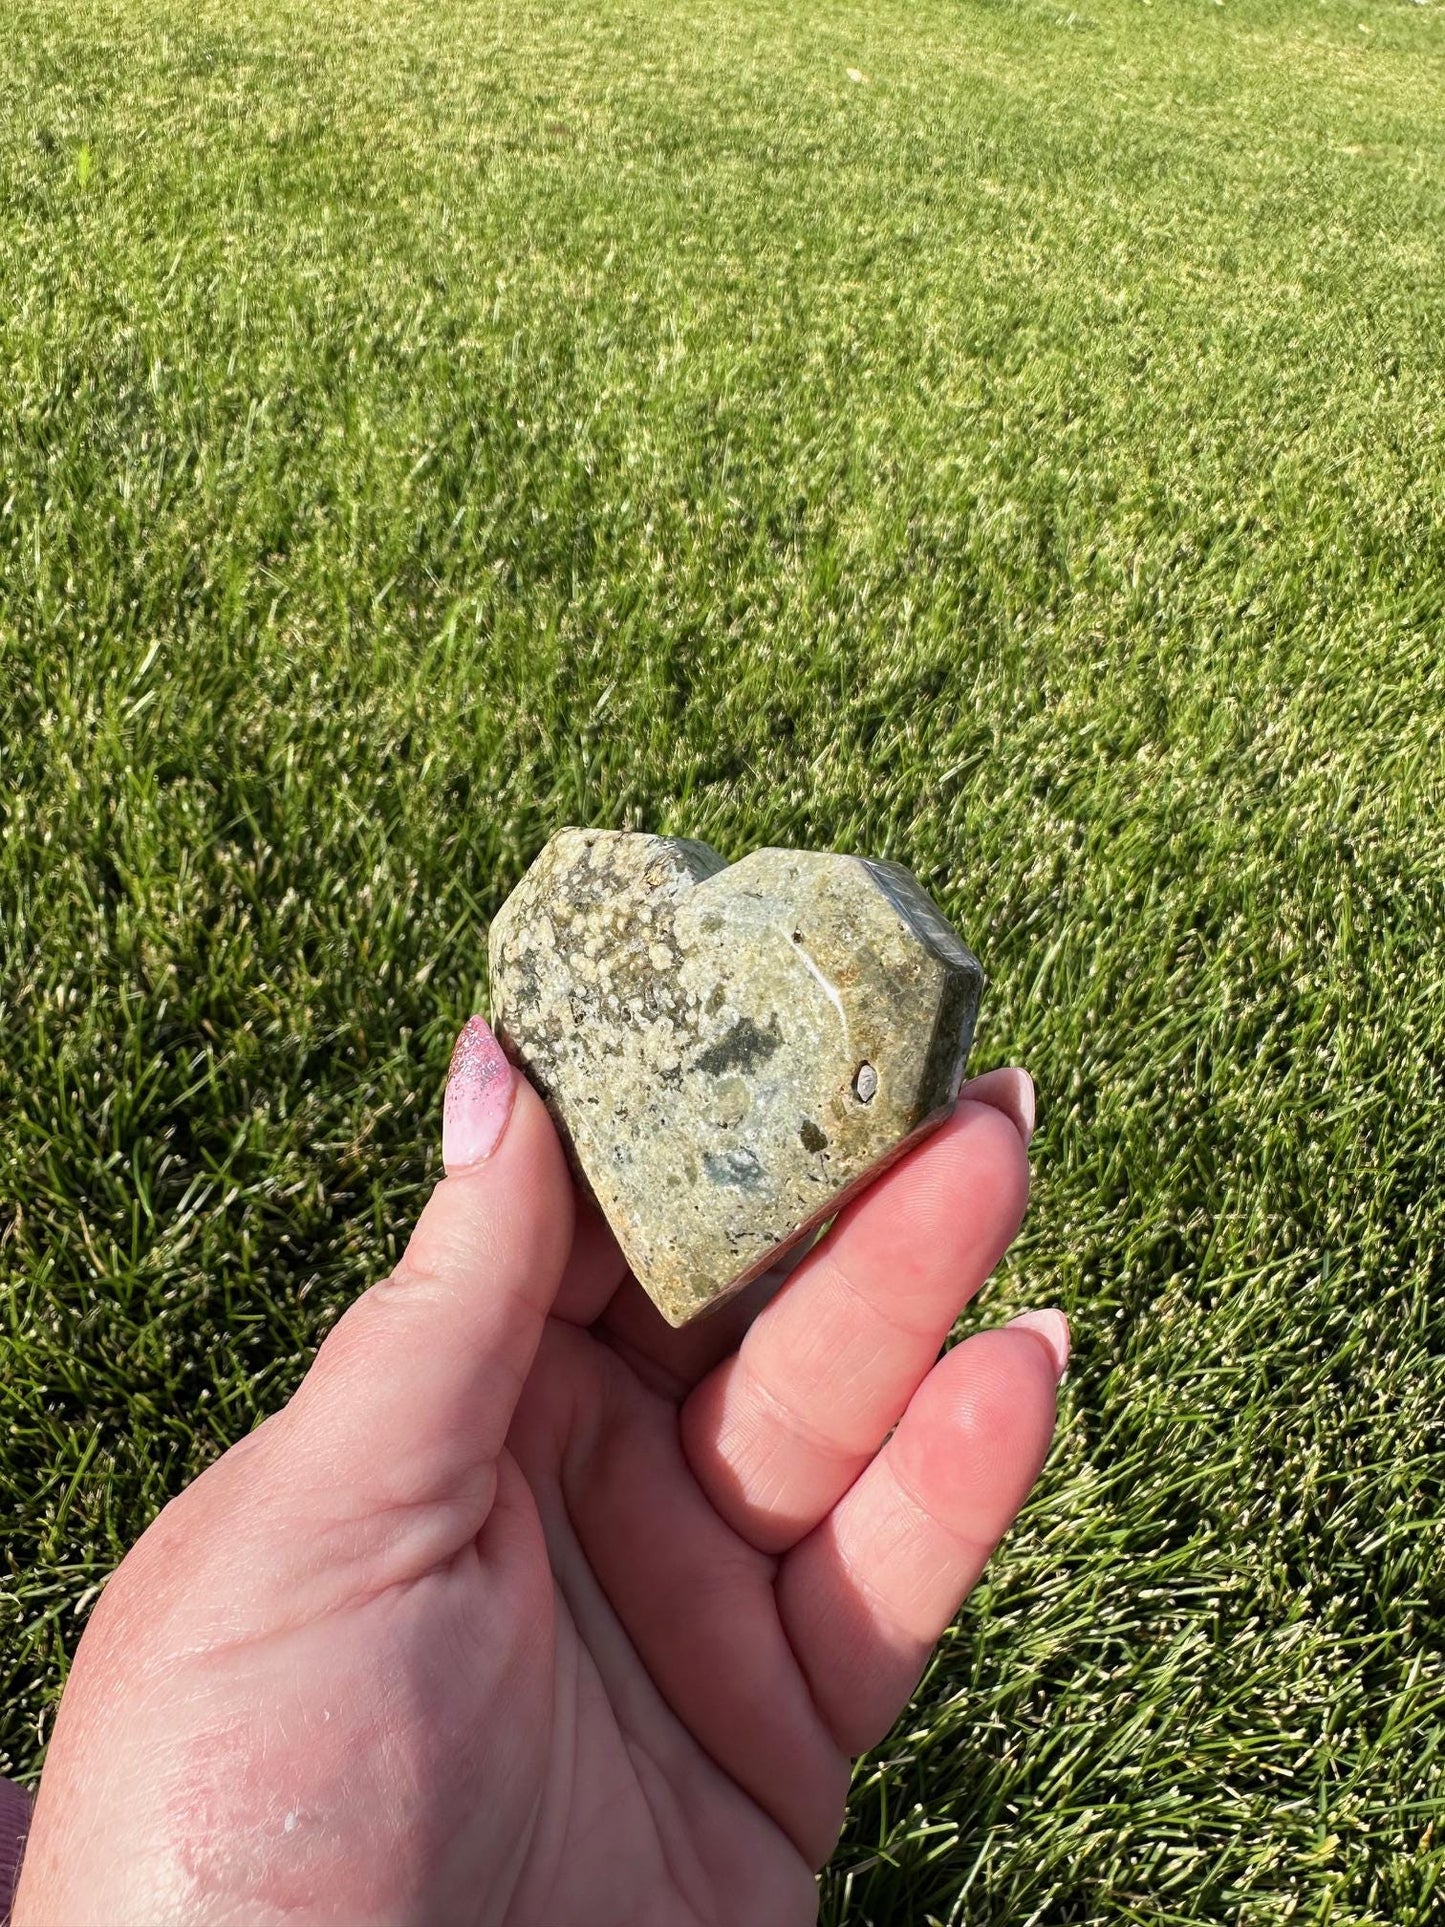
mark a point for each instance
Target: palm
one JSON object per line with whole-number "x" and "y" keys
{"x": 700, "y": 1784}
{"x": 529, "y": 1609}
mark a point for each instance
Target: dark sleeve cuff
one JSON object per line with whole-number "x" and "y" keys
{"x": 14, "y": 1825}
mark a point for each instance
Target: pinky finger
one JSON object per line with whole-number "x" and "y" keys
{"x": 867, "y": 1594}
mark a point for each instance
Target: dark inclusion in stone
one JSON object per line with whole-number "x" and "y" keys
{"x": 701, "y": 1033}
{"x": 737, "y": 1165}
{"x": 744, "y": 1047}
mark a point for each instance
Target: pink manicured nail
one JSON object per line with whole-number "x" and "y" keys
{"x": 480, "y": 1087}
{"x": 1053, "y": 1328}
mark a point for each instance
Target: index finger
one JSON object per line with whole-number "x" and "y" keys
{"x": 778, "y": 1431}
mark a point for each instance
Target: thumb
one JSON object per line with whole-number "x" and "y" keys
{"x": 410, "y": 1396}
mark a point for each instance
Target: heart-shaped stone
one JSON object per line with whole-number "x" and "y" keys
{"x": 729, "y": 1052}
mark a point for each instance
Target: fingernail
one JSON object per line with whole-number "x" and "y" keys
{"x": 480, "y": 1087}
{"x": 1009, "y": 1090}
{"x": 1026, "y": 1112}
{"x": 1053, "y": 1328}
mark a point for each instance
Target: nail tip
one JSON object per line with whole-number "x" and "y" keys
{"x": 481, "y": 1084}
{"x": 1028, "y": 1104}
{"x": 1053, "y": 1328}
{"x": 1021, "y": 1111}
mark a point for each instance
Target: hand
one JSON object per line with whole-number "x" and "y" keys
{"x": 527, "y": 1608}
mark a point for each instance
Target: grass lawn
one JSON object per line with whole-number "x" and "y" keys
{"x": 997, "y": 434}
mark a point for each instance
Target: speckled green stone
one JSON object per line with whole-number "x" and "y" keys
{"x": 728, "y": 1051}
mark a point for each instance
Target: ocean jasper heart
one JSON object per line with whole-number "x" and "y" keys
{"x": 728, "y": 1051}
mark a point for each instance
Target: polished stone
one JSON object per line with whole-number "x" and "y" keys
{"x": 729, "y": 1052}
